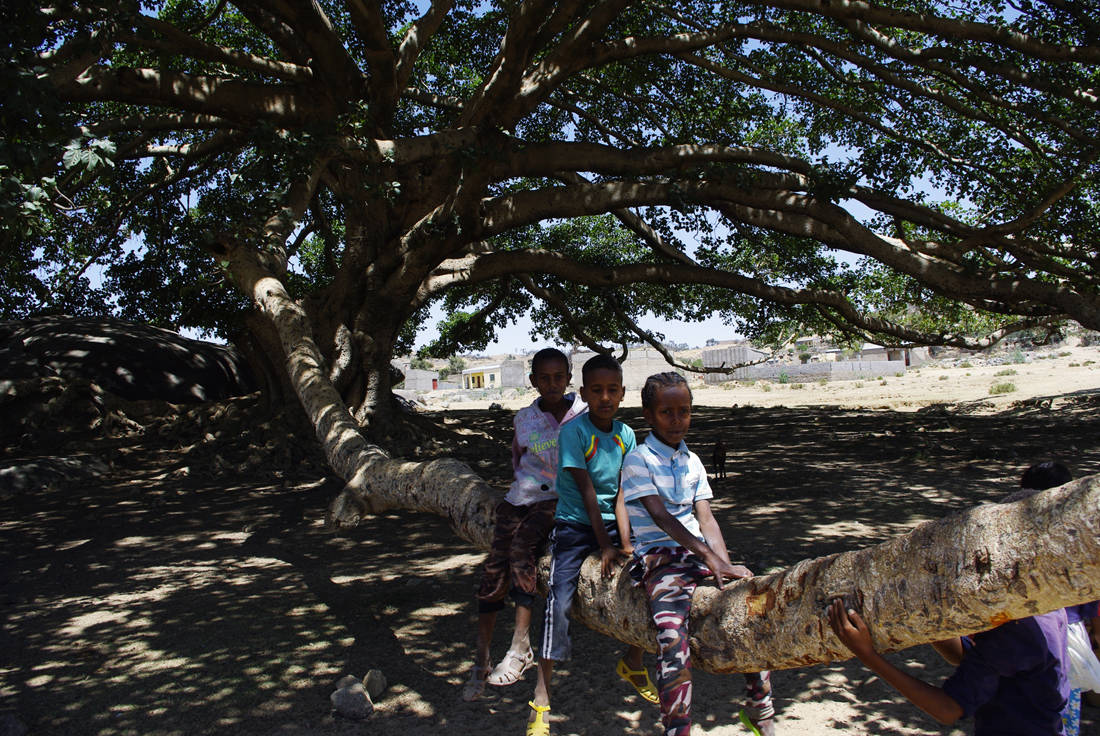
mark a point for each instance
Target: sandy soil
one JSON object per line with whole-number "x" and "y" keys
{"x": 956, "y": 379}
{"x": 160, "y": 601}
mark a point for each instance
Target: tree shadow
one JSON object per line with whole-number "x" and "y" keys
{"x": 183, "y": 605}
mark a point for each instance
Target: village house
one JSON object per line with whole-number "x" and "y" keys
{"x": 508, "y": 374}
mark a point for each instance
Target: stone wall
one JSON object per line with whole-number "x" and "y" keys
{"x": 729, "y": 356}
{"x": 832, "y": 371}
{"x": 640, "y": 364}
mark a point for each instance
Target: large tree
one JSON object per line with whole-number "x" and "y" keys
{"x": 923, "y": 172}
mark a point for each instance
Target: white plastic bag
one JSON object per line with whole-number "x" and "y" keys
{"x": 1084, "y": 668}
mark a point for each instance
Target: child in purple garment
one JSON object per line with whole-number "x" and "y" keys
{"x": 1040, "y": 477}
{"x": 1011, "y": 679}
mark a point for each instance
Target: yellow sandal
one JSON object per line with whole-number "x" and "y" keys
{"x": 539, "y": 726}
{"x": 646, "y": 690}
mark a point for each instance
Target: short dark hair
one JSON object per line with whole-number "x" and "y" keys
{"x": 546, "y": 355}
{"x": 1044, "y": 475}
{"x": 658, "y": 381}
{"x": 601, "y": 362}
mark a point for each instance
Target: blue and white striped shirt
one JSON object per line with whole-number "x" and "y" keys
{"x": 677, "y": 476}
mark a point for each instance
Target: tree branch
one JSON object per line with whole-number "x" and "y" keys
{"x": 231, "y": 98}
{"x": 366, "y": 15}
{"x": 518, "y": 93}
{"x": 558, "y": 304}
{"x": 330, "y": 59}
{"x": 443, "y": 102}
{"x": 416, "y": 38}
{"x": 279, "y": 226}
{"x": 657, "y": 345}
{"x": 547, "y": 159}
{"x": 637, "y": 225}
{"x": 806, "y": 216}
{"x": 154, "y": 123}
{"x": 947, "y": 28}
{"x": 482, "y": 267}
{"x": 502, "y": 78}
{"x": 220, "y": 141}
{"x": 451, "y": 343}
{"x": 593, "y": 120}
{"x": 178, "y": 42}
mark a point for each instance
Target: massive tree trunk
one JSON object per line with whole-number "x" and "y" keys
{"x": 966, "y": 573}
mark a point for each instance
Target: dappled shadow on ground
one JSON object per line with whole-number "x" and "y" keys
{"x": 217, "y": 603}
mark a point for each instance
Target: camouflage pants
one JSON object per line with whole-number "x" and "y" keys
{"x": 670, "y": 576}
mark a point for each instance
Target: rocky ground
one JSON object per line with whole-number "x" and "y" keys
{"x": 179, "y": 579}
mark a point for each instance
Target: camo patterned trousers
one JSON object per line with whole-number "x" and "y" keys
{"x": 519, "y": 535}
{"x": 670, "y": 576}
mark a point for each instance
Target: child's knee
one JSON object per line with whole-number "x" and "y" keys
{"x": 523, "y": 597}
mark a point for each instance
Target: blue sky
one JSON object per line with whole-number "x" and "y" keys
{"x": 515, "y": 338}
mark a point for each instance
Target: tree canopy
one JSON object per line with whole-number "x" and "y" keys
{"x": 920, "y": 172}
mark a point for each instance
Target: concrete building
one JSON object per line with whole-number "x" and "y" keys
{"x": 640, "y": 364}
{"x": 421, "y": 380}
{"x": 729, "y": 355}
{"x": 910, "y": 356}
{"x": 827, "y": 367}
{"x": 509, "y": 374}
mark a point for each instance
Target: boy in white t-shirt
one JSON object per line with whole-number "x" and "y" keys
{"x": 523, "y": 521}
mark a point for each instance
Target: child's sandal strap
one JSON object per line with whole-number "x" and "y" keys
{"x": 539, "y": 726}
{"x": 646, "y": 689}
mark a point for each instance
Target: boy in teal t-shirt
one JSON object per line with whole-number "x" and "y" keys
{"x": 600, "y": 453}
{"x": 590, "y": 516}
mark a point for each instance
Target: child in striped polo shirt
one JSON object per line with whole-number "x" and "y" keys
{"x": 678, "y": 543}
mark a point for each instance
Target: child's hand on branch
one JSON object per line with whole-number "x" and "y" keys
{"x": 724, "y": 571}
{"x": 610, "y": 557}
{"x": 850, "y": 629}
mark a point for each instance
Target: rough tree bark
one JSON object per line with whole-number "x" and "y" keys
{"x": 961, "y": 574}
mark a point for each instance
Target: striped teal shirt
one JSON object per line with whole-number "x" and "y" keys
{"x": 677, "y": 476}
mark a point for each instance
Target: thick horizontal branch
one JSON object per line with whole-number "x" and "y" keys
{"x": 155, "y": 123}
{"x": 785, "y": 211}
{"x": 216, "y": 143}
{"x": 442, "y": 102}
{"x": 229, "y": 98}
{"x": 482, "y": 267}
{"x": 176, "y": 41}
{"x": 406, "y": 151}
{"x": 947, "y": 28}
{"x": 959, "y": 575}
{"x": 544, "y": 159}
{"x": 638, "y": 226}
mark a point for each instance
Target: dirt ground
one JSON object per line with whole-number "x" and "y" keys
{"x": 180, "y": 597}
